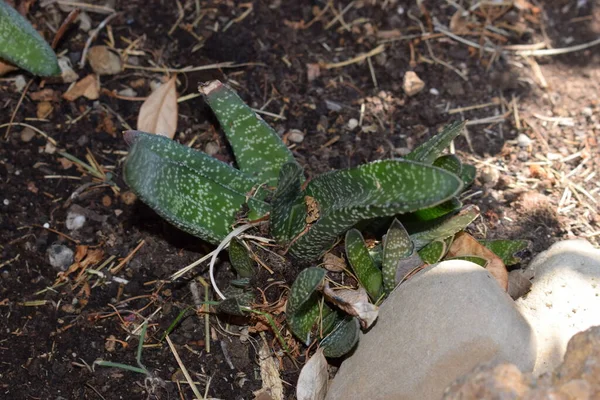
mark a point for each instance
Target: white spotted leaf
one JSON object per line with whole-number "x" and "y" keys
{"x": 396, "y": 247}
{"x": 362, "y": 264}
{"x": 193, "y": 191}
{"x": 258, "y": 149}
{"x": 377, "y": 189}
{"x": 433, "y": 148}
{"x": 23, "y": 46}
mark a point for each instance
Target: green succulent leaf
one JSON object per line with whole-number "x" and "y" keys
{"x": 302, "y": 322}
{"x": 193, "y": 191}
{"x": 240, "y": 259}
{"x": 448, "y": 226}
{"x": 258, "y": 150}
{"x": 506, "y": 249}
{"x": 482, "y": 262}
{"x": 237, "y": 299}
{"x": 362, "y": 264}
{"x": 23, "y": 46}
{"x": 433, "y": 148}
{"x": 376, "y": 254}
{"x": 381, "y": 188}
{"x": 288, "y": 213}
{"x": 434, "y": 251}
{"x": 449, "y": 162}
{"x": 343, "y": 338}
{"x": 431, "y": 213}
{"x": 305, "y": 285}
{"x": 468, "y": 174}
{"x": 396, "y": 246}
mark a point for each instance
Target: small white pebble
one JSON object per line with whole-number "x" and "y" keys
{"x": 400, "y": 10}
{"x": 20, "y": 83}
{"x": 434, "y": 91}
{"x": 295, "y": 136}
{"x": 523, "y": 140}
{"x": 46, "y": 225}
{"x": 6, "y": 202}
{"x": 352, "y": 123}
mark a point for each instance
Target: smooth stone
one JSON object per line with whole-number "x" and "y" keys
{"x": 60, "y": 256}
{"x": 431, "y": 330}
{"x": 564, "y": 298}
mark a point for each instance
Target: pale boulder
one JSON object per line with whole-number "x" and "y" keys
{"x": 431, "y": 330}
{"x": 564, "y": 298}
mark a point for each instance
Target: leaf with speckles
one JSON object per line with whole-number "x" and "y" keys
{"x": 449, "y": 162}
{"x": 302, "y": 309}
{"x": 193, "y": 191}
{"x": 240, "y": 259}
{"x": 433, "y": 148}
{"x": 434, "y": 251}
{"x": 23, "y": 46}
{"x": 342, "y": 339}
{"x": 482, "y": 262}
{"x": 396, "y": 246}
{"x": 448, "y": 226}
{"x": 288, "y": 213}
{"x": 304, "y": 286}
{"x": 381, "y": 188}
{"x": 431, "y": 213}
{"x": 362, "y": 264}
{"x": 258, "y": 149}
{"x": 507, "y": 249}
{"x": 468, "y": 174}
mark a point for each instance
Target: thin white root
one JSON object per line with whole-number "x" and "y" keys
{"x": 224, "y": 243}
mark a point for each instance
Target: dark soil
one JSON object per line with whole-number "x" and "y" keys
{"x": 49, "y": 338}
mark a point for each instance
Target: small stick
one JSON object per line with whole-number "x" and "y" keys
{"x": 14, "y": 114}
{"x": 179, "y": 18}
{"x": 93, "y": 35}
{"x": 119, "y": 266}
{"x": 359, "y": 58}
{"x": 63, "y": 28}
{"x": 555, "y": 52}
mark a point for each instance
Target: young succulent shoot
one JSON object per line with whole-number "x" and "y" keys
{"x": 22, "y": 45}
{"x": 307, "y": 315}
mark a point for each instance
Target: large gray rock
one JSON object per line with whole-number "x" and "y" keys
{"x": 564, "y": 298}
{"x": 431, "y": 330}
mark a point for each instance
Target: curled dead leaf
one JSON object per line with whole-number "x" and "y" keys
{"x": 466, "y": 245}
{"x": 158, "y": 113}
{"x": 333, "y": 263}
{"x": 353, "y": 302}
{"x": 312, "y": 382}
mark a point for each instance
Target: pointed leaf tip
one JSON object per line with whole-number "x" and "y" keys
{"x": 258, "y": 149}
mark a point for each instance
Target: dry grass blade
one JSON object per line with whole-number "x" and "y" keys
{"x": 158, "y": 113}
{"x": 188, "y": 378}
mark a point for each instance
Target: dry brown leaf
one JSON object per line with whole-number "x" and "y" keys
{"x": 5, "y": 68}
{"x": 333, "y": 263}
{"x": 158, "y": 113}
{"x": 312, "y": 209}
{"x": 466, "y": 245}
{"x": 312, "y": 382}
{"x": 353, "y": 302}
{"x": 88, "y": 87}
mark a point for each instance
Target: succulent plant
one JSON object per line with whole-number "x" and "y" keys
{"x": 23, "y": 46}
{"x": 414, "y": 197}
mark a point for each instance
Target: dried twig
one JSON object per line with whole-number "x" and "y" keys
{"x": 93, "y": 35}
